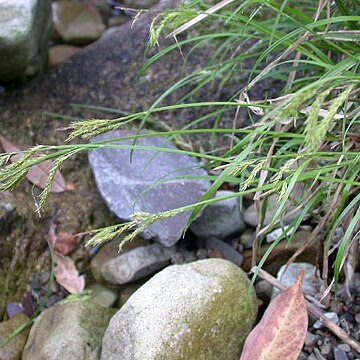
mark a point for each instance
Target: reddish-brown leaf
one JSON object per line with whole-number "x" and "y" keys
{"x": 65, "y": 271}
{"x": 65, "y": 243}
{"x": 67, "y": 275}
{"x": 281, "y": 332}
{"x": 39, "y": 173}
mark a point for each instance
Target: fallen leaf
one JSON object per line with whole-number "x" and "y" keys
{"x": 39, "y": 173}
{"x": 67, "y": 275}
{"x": 65, "y": 243}
{"x": 281, "y": 332}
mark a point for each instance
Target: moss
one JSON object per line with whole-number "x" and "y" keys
{"x": 222, "y": 331}
{"x": 95, "y": 318}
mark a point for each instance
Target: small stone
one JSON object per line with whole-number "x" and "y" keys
{"x": 140, "y": 4}
{"x": 127, "y": 291}
{"x": 263, "y": 290}
{"x": 117, "y": 20}
{"x": 340, "y": 354}
{"x": 201, "y": 254}
{"x": 250, "y": 215}
{"x": 225, "y": 249}
{"x": 201, "y": 310}
{"x": 220, "y": 220}
{"x": 182, "y": 256}
{"x": 102, "y": 295}
{"x": 311, "y": 339}
{"x": 136, "y": 264}
{"x": 302, "y": 356}
{"x": 275, "y": 234}
{"x": 77, "y": 23}
{"x": 336, "y": 306}
{"x": 357, "y": 318}
{"x": 23, "y": 37}
{"x": 109, "y": 251}
{"x": 326, "y": 349}
{"x": 318, "y": 354}
{"x": 13, "y": 308}
{"x": 357, "y": 280}
{"x": 344, "y": 347}
{"x": 247, "y": 239}
{"x": 71, "y": 330}
{"x": 312, "y": 356}
{"x": 347, "y": 317}
{"x": 333, "y": 317}
{"x": 60, "y": 53}
{"x": 152, "y": 182}
{"x": 13, "y": 349}
{"x": 311, "y": 281}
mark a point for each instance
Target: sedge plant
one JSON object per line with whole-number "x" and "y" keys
{"x": 303, "y": 144}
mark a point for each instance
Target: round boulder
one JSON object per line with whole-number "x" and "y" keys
{"x": 202, "y": 310}
{"x": 69, "y": 330}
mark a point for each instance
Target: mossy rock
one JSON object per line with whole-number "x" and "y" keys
{"x": 69, "y": 330}
{"x": 202, "y": 310}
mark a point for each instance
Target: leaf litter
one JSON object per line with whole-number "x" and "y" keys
{"x": 38, "y": 173}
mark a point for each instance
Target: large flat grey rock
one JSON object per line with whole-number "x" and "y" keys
{"x": 23, "y": 37}
{"x": 130, "y": 186}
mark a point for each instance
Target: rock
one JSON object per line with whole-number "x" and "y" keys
{"x": 247, "y": 239}
{"x": 311, "y": 339}
{"x": 312, "y": 356}
{"x": 129, "y": 289}
{"x": 344, "y": 347}
{"x": 72, "y": 330}
{"x": 302, "y": 356}
{"x": 340, "y": 354}
{"x": 23, "y": 37}
{"x": 202, "y": 310}
{"x": 318, "y": 354}
{"x": 183, "y": 256}
{"x": 326, "y": 350}
{"x": 103, "y": 295}
{"x": 13, "y": 349}
{"x": 357, "y": 318}
{"x": 60, "y": 53}
{"x": 227, "y": 251}
{"x": 263, "y": 290}
{"x": 220, "y": 220}
{"x": 109, "y": 251}
{"x": 250, "y": 215}
{"x": 129, "y": 187}
{"x": 333, "y": 317}
{"x": 117, "y": 20}
{"x": 77, "y": 23}
{"x": 311, "y": 282}
{"x": 140, "y": 4}
{"x": 136, "y": 264}
{"x": 275, "y": 234}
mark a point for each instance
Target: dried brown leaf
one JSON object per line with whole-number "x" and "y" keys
{"x": 65, "y": 243}
{"x": 281, "y": 332}
{"x": 39, "y": 173}
{"x": 67, "y": 275}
